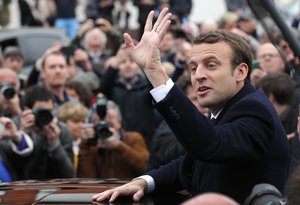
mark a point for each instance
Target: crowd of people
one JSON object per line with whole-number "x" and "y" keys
{"x": 210, "y": 107}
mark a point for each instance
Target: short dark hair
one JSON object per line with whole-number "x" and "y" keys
{"x": 280, "y": 85}
{"x": 36, "y": 93}
{"x": 240, "y": 48}
{"x": 12, "y": 51}
{"x": 85, "y": 94}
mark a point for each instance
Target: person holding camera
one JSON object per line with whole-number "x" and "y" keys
{"x": 75, "y": 116}
{"x": 9, "y": 92}
{"x": 52, "y": 156}
{"x": 113, "y": 152}
{"x": 15, "y": 145}
{"x": 243, "y": 142}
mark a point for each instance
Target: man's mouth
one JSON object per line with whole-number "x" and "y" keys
{"x": 203, "y": 90}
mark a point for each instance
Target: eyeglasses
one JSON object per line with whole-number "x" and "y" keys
{"x": 268, "y": 55}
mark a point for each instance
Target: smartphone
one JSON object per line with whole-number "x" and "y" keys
{"x": 68, "y": 50}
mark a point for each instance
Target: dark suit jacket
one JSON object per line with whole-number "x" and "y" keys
{"x": 247, "y": 146}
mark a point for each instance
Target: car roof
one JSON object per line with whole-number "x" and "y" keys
{"x": 73, "y": 191}
{"x": 32, "y": 41}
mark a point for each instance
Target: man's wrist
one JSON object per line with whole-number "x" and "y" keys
{"x": 157, "y": 77}
{"x": 160, "y": 92}
{"x": 149, "y": 183}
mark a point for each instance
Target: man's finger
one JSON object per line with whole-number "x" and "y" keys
{"x": 149, "y": 21}
{"x": 160, "y": 18}
{"x": 138, "y": 195}
{"x": 114, "y": 195}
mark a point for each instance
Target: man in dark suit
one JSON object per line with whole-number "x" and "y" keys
{"x": 245, "y": 146}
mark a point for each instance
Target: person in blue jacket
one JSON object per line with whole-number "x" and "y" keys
{"x": 241, "y": 144}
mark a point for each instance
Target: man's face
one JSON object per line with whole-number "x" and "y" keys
{"x": 128, "y": 69}
{"x": 10, "y": 77}
{"x": 213, "y": 78}
{"x": 55, "y": 71}
{"x": 14, "y": 62}
{"x": 95, "y": 43}
{"x": 167, "y": 43}
{"x": 111, "y": 117}
{"x": 269, "y": 58}
{"x": 286, "y": 50}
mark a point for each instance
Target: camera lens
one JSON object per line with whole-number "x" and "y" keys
{"x": 43, "y": 117}
{"x": 8, "y": 91}
{"x": 102, "y": 130}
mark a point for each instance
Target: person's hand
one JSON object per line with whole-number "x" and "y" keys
{"x": 52, "y": 132}
{"x": 183, "y": 49}
{"x": 9, "y": 130}
{"x": 87, "y": 131}
{"x": 86, "y": 26}
{"x": 27, "y": 120}
{"x": 134, "y": 188}
{"x": 110, "y": 142}
{"x": 82, "y": 57}
{"x": 104, "y": 25}
{"x": 119, "y": 58}
{"x": 146, "y": 53}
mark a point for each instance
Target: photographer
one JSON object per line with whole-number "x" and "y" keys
{"x": 9, "y": 89}
{"x": 52, "y": 156}
{"x": 14, "y": 147}
{"x": 116, "y": 153}
{"x": 75, "y": 116}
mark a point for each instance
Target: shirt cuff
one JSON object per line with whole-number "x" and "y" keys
{"x": 150, "y": 182}
{"x": 28, "y": 149}
{"x": 160, "y": 92}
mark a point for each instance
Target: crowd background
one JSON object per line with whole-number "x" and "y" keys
{"x": 79, "y": 90}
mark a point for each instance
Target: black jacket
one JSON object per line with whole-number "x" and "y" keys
{"x": 247, "y": 146}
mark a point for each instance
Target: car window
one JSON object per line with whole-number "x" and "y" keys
{"x": 36, "y": 44}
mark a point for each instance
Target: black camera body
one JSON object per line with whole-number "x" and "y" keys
{"x": 43, "y": 117}
{"x": 7, "y": 90}
{"x": 101, "y": 128}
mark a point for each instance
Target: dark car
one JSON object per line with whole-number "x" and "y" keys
{"x": 73, "y": 191}
{"x": 32, "y": 41}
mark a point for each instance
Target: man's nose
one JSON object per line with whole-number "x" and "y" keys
{"x": 200, "y": 73}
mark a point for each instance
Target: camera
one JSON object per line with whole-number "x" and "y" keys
{"x": 68, "y": 50}
{"x": 7, "y": 90}
{"x": 43, "y": 117}
{"x": 265, "y": 194}
{"x": 101, "y": 128}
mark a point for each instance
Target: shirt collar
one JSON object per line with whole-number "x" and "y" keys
{"x": 212, "y": 116}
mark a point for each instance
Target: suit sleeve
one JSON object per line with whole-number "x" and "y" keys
{"x": 246, "y": 135}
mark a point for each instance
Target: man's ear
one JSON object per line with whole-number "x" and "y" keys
{"x": 241, "y": 72}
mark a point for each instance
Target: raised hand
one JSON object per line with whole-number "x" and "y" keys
{"x": 146, "y": 53}
{"x": 9, "y": 130}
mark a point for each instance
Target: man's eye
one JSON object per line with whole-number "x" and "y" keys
{"x": 211, "y": 65}
{"x": 193, "y": 69}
